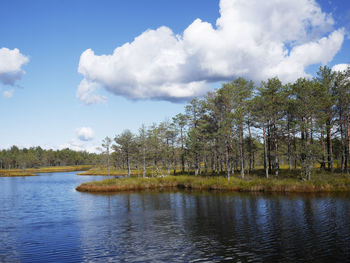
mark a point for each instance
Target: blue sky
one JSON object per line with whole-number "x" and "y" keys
{"x": 44, "y": 109}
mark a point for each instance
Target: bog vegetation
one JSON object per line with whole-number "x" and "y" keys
{"x": 321, "y": 183}
{"x": 34, "y": 171}
{"x": 241, "y": 128}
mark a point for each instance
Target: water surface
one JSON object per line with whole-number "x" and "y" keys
{"x": 44, "y": 219}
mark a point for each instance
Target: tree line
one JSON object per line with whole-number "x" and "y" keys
{"x": 241, "y": 128}
{"x": 16, "y": 158}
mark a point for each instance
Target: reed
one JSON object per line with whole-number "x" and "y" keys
{"x": 320, "y": 183}
{"x": 34, "y": 171}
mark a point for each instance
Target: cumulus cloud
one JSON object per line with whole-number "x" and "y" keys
{"x": 72, "y": 144}
{"x": 253, "y": 39}
{"x": 8, "y": 93}
{"x": 11, "y": 62}
{"x": 85, "y": 133}
{"x": 87, "y": 92}
{"x": 340, "y": 67}
{"x": 76, "y": 145}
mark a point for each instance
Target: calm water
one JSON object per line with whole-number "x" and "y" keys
{"x": 43, "y": 219}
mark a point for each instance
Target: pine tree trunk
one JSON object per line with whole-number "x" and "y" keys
{"x": 228, "y": 164}
{"x": 329, "y": 146}
{"x": 212, "y": 162}
{"x": 221, "y": 163}
{"x": 342, "y": 137}
{"x": 174, "y": 161}
{"x": 307, "y": 151}
{"x": 232, "y": 167}
{"x": 295, "y": 149}
{"x": 289, "y": 146}
{"x": 241, "y": 144}
{"x": 108, "y": 168}
{"x": 269, "y": 146}
{"x": 144, "y": 162}
{"x": 196, "y": 170}
{"x": 265, "y": 152}
{"x": 323, "y": 161}
{"x": 277, "y": 167}
{"x": 128, "y": 163}
{"x": 217, "y": 163}
{"x": 182, "y": 153}
{"x": 250, "y": 148}
{"x": 253, "y": 160}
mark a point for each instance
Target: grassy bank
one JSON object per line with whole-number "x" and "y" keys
{"x": 320, "y": 183}
{"x": 34, "y": 171}
{"x": 15, "y": 174}
{"x": 103, "y": 171}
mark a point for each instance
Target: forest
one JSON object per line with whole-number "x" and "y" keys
{"x": 34, "y": 157}
{"x": 242, "y": 128}
{"x": 239, "y": 128}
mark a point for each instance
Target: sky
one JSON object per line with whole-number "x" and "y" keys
{"x": 73, "y": 72}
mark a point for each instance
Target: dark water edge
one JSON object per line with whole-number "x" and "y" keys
{"x": 43, "y": 219}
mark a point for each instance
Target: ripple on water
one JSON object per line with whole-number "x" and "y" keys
{"x": 43, "y": 218}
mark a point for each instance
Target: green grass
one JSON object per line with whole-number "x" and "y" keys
{"x": 103, "y": 171}
{"x": 323, "y": 182}
{"x": 15, "y": 174}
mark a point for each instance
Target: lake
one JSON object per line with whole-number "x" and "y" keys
{"x": 44, "y": 219}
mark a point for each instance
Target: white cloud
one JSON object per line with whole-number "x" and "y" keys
{"x": 76, "y": 145}
{"x": 340, "y": 67}
{"x": 11, "y": 62}
{"x": 85, "y": 133}
{"x": 86, "y": 92}
{"x": 8, "y": 93}
{"x": 22, "y": 145}
{"x": 73, "y": 144}
{"x": 253, "y": 39}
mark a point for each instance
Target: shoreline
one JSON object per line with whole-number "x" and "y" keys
{"x": 17, "y": 174}
{"x": 215, "y": 184}
{"x": 35, "y": 171}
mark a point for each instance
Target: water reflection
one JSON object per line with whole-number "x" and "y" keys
{"x": 45, "y": 218}
{"x": 179, "y": 227}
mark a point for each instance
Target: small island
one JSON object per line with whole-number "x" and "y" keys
{"x": 273, "y": 137}
{"x": 321, "y": 182}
